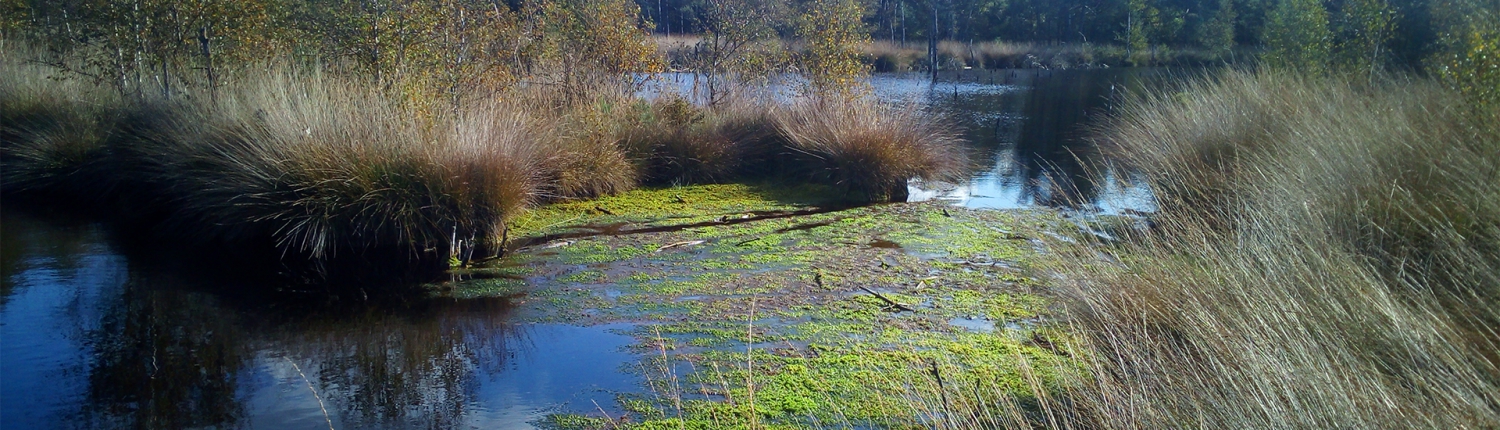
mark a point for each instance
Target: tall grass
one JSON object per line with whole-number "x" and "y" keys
{"x": 1327, "y": 255}
{"x": 677, "y": 142}
{"x": 322, "y": 169}
{"x": 53, "y": 132}
{"x": 326, "y": 166}
{"x": 866, "y": 148}
{"x": 319, "y": 167}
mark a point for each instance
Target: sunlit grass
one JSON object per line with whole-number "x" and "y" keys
{"x": 1325, "y": 257}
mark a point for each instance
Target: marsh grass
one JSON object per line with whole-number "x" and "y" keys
{"x": 866, "y": 148}
{"x": 326, "y": 166}
{"x": 324, "y": 169}
{"x": 677, "y": 142}
{"x": 887, "y": 56}
{"x": 53, "y": 132}
{"x": 320, "y": 168}
{"x": 1325, "y": 257}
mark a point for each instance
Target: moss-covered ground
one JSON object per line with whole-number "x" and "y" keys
{"x": 770, "y": 309}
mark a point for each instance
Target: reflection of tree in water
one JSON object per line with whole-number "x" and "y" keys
{"x": 1043, "y": 151}
{"x": 167, "y": 356}
{"x": 410, "y": 366}
{"x": 165, "y": 359}
{"x": 1053, "y": 162}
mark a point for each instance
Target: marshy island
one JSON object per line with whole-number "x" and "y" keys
{"x": 748, "y": 214}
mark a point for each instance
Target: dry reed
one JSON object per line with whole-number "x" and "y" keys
{"x": 1326, "y": 257}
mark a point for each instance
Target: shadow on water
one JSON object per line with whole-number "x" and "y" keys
{"x": 97, "y": 338}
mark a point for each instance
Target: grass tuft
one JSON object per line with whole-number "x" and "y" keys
{"x": 868, "y": 149}
{"x": 1325, "y": 257}
{"x": 53, "y": 133}
{"x": 325, "y": 166}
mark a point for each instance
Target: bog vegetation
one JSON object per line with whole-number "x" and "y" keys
{"x": 1325, "y": 254}
{"x": 409, "y": 132}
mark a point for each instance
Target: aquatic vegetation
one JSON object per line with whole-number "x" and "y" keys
{"x": 824, "y": 350}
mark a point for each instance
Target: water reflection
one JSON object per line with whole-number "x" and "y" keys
{"x": 1027, "y": 126}
{"x": 1032, "y": 128}
{"x": 94, "y": 339}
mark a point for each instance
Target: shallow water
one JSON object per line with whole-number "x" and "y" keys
{"x": 92, "y": 338}
{"x": 1027, "y": 129}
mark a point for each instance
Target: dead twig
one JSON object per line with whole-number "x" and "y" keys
{"x": 678, "y": 244}
{"x": 888, "y": 301}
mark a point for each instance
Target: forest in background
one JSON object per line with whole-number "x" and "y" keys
{"x": 443, "y": 49}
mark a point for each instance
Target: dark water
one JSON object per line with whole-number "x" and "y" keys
{"x": 93, "y": 338}
{"x": 1028, "y": 129}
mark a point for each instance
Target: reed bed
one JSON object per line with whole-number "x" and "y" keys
{"x": 1326, "y": 256}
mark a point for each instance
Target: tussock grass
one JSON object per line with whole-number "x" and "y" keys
{"x": 1326, "y": 256}
{"x": 324, "y": 170}
{"x": 678, "y": 142}
{"x": 866, "y": 148}
{"x": 53, "y": 132}
{"x": 325, "y": 166}
{"x": 584, "y": 157}
{"x": 319, "y": 168}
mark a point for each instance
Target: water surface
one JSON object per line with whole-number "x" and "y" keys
{"x": 1028, "y": 130}
{"x": 91, "y": 337}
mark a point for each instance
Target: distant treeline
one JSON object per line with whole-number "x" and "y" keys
{"x": 417, "y": 48}
{"x": 1403, "y": 33}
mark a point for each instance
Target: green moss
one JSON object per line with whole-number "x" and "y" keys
{"x": 483, "y": 288}
{"x": 679, "y": 204}
{"x": 824, "y": 351}
{"x": 585, "y": 277}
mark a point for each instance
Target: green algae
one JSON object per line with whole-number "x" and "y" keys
{"x": 679, "y": 205}
{"x": 777, "y": 309}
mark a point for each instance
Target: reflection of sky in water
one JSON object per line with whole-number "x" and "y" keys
{"x": 89, "y": 338}
{"x": 1028, "y": 122}
{"x": 565, "y": 368}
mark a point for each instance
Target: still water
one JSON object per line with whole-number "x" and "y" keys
{"x": 1027, "y": 131}
{"x": 91, "y": 336}
{"x": 96, "y": 334}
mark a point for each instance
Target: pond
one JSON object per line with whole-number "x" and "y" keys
{"x": 1027, "y": 131}
{"x": 97, "y": 332}
{"x": 97, "y": 336}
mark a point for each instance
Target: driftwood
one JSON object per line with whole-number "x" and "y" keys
{"x": 678, "y": 244}
{"x": 623, "y": 230}
{"x": 888, "y": 301}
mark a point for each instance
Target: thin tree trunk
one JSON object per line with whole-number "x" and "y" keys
{"x": 932, "y": 42}
{"x": 208, "y": 62}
